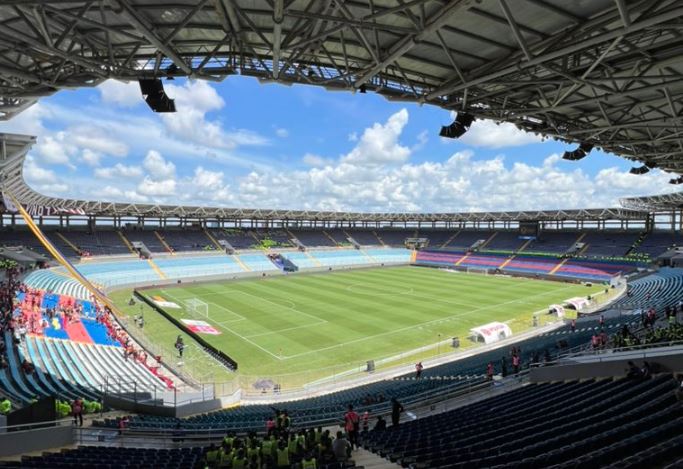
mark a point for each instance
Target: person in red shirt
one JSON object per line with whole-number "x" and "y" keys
{"x": 351, "y": 425}
{"x": 489, "y": 371}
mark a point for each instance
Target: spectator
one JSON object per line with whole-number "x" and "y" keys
{"x": 489, "y": 371}
{"x": 77, "y": 411}
{"x": 573, "y": 325}
{"x": 516, "y": 361}
{"x": 679, "y": 388}
{"x": 633, "y": 371}
{"x": 380, "y": 425}
{"x": 418, "y": 370}
{"x": 5, "y": 406}
{"x": 504, "y": 366}
{"x": 396, "y": 409}
{"x": 341, "y": 448}
{"x": 352, "y": 424}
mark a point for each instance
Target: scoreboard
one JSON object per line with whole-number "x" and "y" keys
{"x": 528, "y": 229}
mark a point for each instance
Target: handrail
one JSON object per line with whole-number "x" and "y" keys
{"x": 42, "y": 424}
{"x": 635, "y": 350}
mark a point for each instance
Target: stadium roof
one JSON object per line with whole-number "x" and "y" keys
{"x": 605, "y": 72}
{"x": 13, "y": 150}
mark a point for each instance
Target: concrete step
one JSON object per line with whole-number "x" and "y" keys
{"x": 369, "y": 460}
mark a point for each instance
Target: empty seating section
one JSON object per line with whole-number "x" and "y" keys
{"x": 52, "y": 281}
{"x": 18, "y": 237}
{"x": 462, "y": 373}
{"x": 436, "y": 238}
{"x": 181, "y": 267}
{"x": 593, "y": 269}
{"x": 585, "y": 269}
{"x": 467, "y": 238}
{"x": 98, "y": 243}
{"x": 107, "y": 457}
{"x": 659, "y": 290}
{"x": 238, "y": 239}
{"x": 554, "y": 241}
{"x": 389, "y": 256}
{"x": 313, "y": 238}
{"x": 116, "y": 273}
{"x": 187, "y": 240}
{"x": 657, "y": 242}
{"x": 576, "y": 424}
{"x": 506, "y": 241}
{"x": 395, "y": 238}
{"x": 148, "y": 237}
{"x": 606, "y": 244}
{"x": 258, "y": 262}
{"x": 106, "y": 241}
{"x": 364, "y": 237}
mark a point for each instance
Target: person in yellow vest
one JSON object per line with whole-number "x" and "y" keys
{"x": 268, "y": 450}
{"x": 254, "y": 451}
{"x": 5, "y": 406}
{"x": 282, "y": 454}
{"x": 293, "y": 446}
{"x": 240, "y": 460}
{"x": 309, "y": 462}
{"x": 212, "y": 455}
{"x": 229, "y": 438}
{"x": 225, "y": 456}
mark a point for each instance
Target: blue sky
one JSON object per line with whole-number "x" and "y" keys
{"x": 243, "y": 143}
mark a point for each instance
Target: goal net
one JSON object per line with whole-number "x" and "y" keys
{"x": 197, "y": 307}
{"x": 480, "y": 270}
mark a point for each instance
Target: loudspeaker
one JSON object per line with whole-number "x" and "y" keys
{"x": 155, "y": 96}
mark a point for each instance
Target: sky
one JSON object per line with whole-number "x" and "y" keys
{"x": 240, "y": 143}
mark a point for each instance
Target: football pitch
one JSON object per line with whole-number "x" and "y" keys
{"x": 326, "y": 323}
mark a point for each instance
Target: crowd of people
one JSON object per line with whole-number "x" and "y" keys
{"x": 285, "y": 447}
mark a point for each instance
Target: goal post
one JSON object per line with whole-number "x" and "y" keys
{"x": 197, "y": 307}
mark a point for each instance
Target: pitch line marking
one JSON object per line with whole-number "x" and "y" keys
{"x": 483, "y": 308}
{"x": 287, "y": 329}
{"x": 236, "y": 334}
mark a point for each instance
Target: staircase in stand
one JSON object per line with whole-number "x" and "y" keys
{"x": 558, "y": 266}
{"x": 637, "y": 243}
{"x": 68, "y": 243}
{"x": 213, "y": 240}
{"x": 378, "y": 238}
{"x": 126, "y": 242}
{"x": 450, "y": 240}
{"x": 334, "y": 241}
{"x": 482, "y": 246}
{"x": 164, "y": 243}
{"x": 364, "y": 458}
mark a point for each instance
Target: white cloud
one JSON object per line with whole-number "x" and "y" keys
{"x": 57, "y": 149}
{"x": 490, "y": 134}
{"x": 379, "y": 144}
{"x": 120, "y": 93}
{"x": 36, "y": 174}
{"x": 352, "y": 137}
{"x": 97, "y": 138}
{"x": 205, "y": 179}
{"x": 315, "y": 160}
{"x": 91, "y": 158}
{"x": 118, "y": 171}
{"x": 151, "y": 187}
{"x": 157, "y": 166}
{"x": 282, "y": 133}
{"x": 194, "y": 99}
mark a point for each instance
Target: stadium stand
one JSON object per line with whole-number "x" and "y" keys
{"x": 148, "y": 237}
{"x": 576, "y": 424}
{"x": 313, "y": 238}
{"x": 557, "y": 242}
{"x": 187, "y": 240}
{"x": 608, "y": 244}
{"x": 437, "y": 381}
{"x": 506, "y": 241}
{"x": 656, "y": 243}
{"x": 586, "y": 269}
{"x": 467, "y": 238}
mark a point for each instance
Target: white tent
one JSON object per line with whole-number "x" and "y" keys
{"x": 491, "y": 332}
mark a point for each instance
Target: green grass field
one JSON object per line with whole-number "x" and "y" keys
{"x": 321, "y": 324}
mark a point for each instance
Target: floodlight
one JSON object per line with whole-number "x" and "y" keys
{"x": 578, "y": 154}
{"x": 460, "y": 125}
{"x": 640, "y": 170}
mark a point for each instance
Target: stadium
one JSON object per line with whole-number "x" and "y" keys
{"x": 209, "y": 327}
